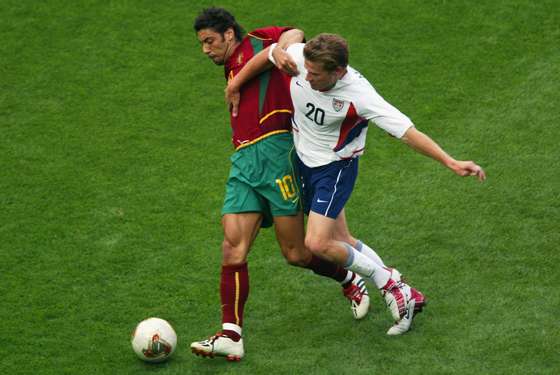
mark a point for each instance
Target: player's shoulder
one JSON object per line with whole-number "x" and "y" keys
{"x": 296, "y": 48}
{"x": 356, "y": 83}
{"x": 358, "y": 77}
{"x": 268, "y": 32}
{"x": 296, "y": 51}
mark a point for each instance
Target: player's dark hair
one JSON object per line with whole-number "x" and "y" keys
{"x": 330, "y": 50}
{"x": 219, "y": 20}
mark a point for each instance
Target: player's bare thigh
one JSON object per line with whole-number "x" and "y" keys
{"x": 240, "y": 230}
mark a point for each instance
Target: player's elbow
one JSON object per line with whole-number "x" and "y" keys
{"x": 290, "y": 37}
{"x": 409, "y": 134}
{"x": 299, "y": 36}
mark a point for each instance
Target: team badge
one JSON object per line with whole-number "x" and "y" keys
{"x": 337, "y": 104}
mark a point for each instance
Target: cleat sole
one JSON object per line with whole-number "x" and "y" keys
{"x": 219, "y": 345}
{"x": 200, "y": 353}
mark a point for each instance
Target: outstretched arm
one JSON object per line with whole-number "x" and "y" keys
{"x": 425, "y": 145}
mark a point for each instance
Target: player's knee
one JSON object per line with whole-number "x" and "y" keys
{"x": 316, "y": 245}
{"x": 233, "y": 255}
{"x": 297, "y": 257}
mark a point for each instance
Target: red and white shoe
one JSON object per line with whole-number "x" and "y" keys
{"x": 358, "y": 295}
{"x": 420, "y": 301}
{"x": 219, "y": 345}
{"x": 402, "y": 300}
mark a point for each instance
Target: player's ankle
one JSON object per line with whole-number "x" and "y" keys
{"x": 232, "y": 335}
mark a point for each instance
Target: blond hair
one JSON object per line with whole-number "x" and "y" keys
{"x": 330, "y": 50}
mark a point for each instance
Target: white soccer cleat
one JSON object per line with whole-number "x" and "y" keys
{"x": 219, "y": 345}
{"x": 403, "y": 302}
{"x": 403, "y": 325}
{"x": 358, "y": 295}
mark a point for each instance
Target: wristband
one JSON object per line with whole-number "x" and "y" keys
{"x": 270, "y": 57}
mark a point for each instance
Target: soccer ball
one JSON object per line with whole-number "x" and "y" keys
{"x": 154, "y": 340}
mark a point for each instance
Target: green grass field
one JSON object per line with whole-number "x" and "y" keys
{"x": 114, "y": 146}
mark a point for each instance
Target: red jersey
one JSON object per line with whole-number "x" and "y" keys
{"x": 265, "y": 107}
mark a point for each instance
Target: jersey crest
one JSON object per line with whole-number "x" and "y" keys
{"x": 337, "y": 104}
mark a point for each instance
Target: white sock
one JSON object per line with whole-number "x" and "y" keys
{"x": 232, "y": 327}
{"x": 366, "y": 267}
{"x": 369, "y": 252}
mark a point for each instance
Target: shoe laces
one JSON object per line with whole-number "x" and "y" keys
{"x": 217, "y": 336}
{"x": 353, "y": 293}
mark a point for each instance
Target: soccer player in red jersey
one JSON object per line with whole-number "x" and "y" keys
{"x": 261, "y": 189}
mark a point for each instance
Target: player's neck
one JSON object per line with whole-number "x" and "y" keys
{"x": 329, "y": 88}
{"x": 231, "y": 49}
{"x": 343, "y": 73}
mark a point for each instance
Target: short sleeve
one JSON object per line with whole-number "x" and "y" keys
{"x": 296, "y": 52}
{"x": 373, "y": 107}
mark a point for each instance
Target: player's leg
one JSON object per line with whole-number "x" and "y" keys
{"x": 284, "y": 198}
{"x": 242, "y": 216}
{"x": 320, "y": 239}
{"x": 328, "y": 190}
{"x": 290, "y": 236}
{"x": 240, "y": 230}
{"x": 398, "y": 295}
{"x": 332, "y": 186}
{"x": 342, "y": 233}
{"x": 280, "y": 187}
{"x": 356, "y": 290}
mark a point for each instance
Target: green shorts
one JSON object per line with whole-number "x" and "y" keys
{"x": 262, "y": 180}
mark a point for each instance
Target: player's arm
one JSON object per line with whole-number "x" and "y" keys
{"x": 260, "y": 63}
{"x": 283, "y": 60}
{"x": 427, "y": 146}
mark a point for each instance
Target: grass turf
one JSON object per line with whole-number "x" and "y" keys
{"x": 113, "y": 154}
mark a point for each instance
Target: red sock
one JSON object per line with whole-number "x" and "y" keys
{"x": 234, "y": 291}
{"x": 328, "y": 269}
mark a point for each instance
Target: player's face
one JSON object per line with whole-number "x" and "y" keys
{"x": 319, "y": 78}
{"x": 218, "y": 47}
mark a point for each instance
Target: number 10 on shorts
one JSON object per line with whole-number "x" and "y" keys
{"x": 287, "y": 187}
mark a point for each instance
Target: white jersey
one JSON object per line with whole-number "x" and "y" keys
{"x": 332, "y": 125}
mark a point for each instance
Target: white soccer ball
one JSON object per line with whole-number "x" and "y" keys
{"x": 154, "y": 340}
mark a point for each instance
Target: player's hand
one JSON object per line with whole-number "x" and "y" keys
{"x": 232, "y": 96}
{"x": 284, "y": 61}
{"x": 468, "y": 168}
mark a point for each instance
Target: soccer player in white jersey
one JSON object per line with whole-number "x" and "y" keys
{"x": 333, "y": 104}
